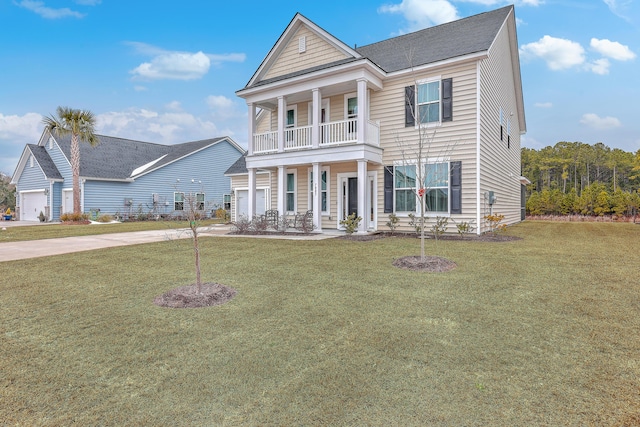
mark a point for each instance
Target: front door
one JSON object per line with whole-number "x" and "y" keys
{"x": 348, "y": 196}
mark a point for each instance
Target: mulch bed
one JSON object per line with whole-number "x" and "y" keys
{"x": 212, "y": 294}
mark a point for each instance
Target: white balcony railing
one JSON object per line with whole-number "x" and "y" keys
{"x": 333, "y": 133}
{"x": 297, "y": 138}
{"x": 265, "y": 142}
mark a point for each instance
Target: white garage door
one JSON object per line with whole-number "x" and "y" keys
{"x": 242, "y": 202}
{"x": 33, "y": 203}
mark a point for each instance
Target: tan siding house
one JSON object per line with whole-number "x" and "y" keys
{"x": 337, "y": 130}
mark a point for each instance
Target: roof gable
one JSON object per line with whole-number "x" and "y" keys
{"x": 321, "y": 47}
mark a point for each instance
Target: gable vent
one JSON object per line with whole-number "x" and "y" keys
{"x": 302, "y": 44}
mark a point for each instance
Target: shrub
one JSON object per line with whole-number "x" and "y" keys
{"x": 105, "y": 218}
{"x": 242, "y": 225}
{"x": 465, "y": 227}
{"x": 494, "y": 221}
{"x": 74, "y": 217}
{"x": 440, "y": 226}
{"x": 222, "y": 214}
{"x": 415, "y": 224}
{"x": 393, "y": 222}
{"x": 351, "y": 223}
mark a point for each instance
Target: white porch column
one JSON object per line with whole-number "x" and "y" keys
{"x": 317, "y": 197}
{"x": 282, "y": 115}
{"x": 362, "y": 194}
{"x": 252, "y": 127}
{"x": 251, "y": 202}
{"x": 362, "y": 109}
{"x": 315, "y": 124}
{"x": 282, "y": 182}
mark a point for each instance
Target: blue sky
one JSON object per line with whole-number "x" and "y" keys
{"x": 167, "y": 72}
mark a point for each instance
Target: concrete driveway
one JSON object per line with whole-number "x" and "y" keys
{"x": 12, "y": 251}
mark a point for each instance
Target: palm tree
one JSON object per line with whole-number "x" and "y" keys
{"x": 80, "y": 124}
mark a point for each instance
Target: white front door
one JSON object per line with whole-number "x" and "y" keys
{"x": 67, "y": 200}
{"x": 33, "y": 202}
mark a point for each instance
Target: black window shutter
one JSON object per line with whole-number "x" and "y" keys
{"x": 456, "y": 187}
{"x": 409, "y": 106}
{"x": 447, "y": 100}
{"x": 388, "y": 189}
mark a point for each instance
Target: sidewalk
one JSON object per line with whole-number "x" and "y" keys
{"x": 39, "y": 248}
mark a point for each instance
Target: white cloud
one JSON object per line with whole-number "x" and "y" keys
{"x": 599, "y": 123}
{"x": 618, "y": 7}
{"x": 88, "y": 2}
{"x": 613, "y": 50}
{"x": 559, "y": 54}
{"x": 177, "y": 65}
{"x": 39, "y": 8}
{"x": 543, "y": 104}
{"x": 152, "y": 126}
{"x": 599, "y": 66}
{"x": 422, "y": 14}
{"x": 15, "y": 132}
{"x": 219, "y": 102}
{"x": 174, "y": 106}
{"x": 174, "y": 65}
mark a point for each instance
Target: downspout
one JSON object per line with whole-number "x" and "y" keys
{"x": 478, "y": 117}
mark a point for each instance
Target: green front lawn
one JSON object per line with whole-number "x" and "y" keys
{"x": 51, "y": 231}
{"x": 540, "y": 331}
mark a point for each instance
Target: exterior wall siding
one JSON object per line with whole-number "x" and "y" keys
{"x": 455, "y": 140}
{"x": 500, "y": 160}
{"x": 206, "y": 166}
{"x": 318, "y": 52}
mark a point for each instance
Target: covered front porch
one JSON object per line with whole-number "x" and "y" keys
{"x": 327, "y": 192}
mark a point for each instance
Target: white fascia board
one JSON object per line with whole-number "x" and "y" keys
{"x": 472, "y": 57}
{"x": 307, "y": 82}
{"x": 20, "y": 166}
{"x": 90, "y": 178}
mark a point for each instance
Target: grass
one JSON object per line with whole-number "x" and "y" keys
{"x": 51, "y": 231}
{"x": 540, "y": 331}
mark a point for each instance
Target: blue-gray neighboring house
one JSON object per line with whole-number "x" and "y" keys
{"x": 123, "y": 177}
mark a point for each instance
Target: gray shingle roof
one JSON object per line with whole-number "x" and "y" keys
{"x": 238, "y": 167}
{"x": 116, "y": 158}
{"x": 44, "y": 160}
{"x": 453, "y": 39}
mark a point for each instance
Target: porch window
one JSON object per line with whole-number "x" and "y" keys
{"x": 178, "y": 201}
{"x": 323, "y": 188}
{"x": 351, "y": 112}
{"x": 200, "y": 201}
{"x": 291, "y": 192}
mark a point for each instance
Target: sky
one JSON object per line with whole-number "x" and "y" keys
{"x": 167, "y": 71}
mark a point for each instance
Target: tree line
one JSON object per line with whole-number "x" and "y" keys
{"x": 577, "y": 178}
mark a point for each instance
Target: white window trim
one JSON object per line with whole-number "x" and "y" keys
{"x": 293, "y": 107}
{"x": 174, "y": 201}
{"x": 295, "y": 190}
{"x": 347, "y": 96}
{"x": 204, "y": 201}
{"x": 326, "y": 169}
{"x": 427, "y": 214}
{"x": 417, "y": 106}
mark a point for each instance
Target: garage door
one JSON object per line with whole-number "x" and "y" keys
{"x": 242, "y": 202}
{"x": 33, "y": 203}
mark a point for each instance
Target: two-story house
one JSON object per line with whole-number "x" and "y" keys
{"x": 337, "y": 129}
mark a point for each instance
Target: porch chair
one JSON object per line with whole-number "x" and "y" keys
{"x": 303, "y": 221}
{"x": 271, "y": 217}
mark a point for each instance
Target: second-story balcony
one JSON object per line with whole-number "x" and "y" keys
{"x": 330, "y": 134}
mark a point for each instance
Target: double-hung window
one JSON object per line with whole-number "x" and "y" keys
{"x": 200, "y": 201}
{"x": 436, "y": 182}
{"x": 323, "y": 188}
{"x": 405, "y": 188}
{"x": 178, "y": 201}
{"x": 429, "y": 102}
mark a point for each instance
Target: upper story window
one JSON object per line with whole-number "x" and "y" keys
{"x": 429, "y": 102}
